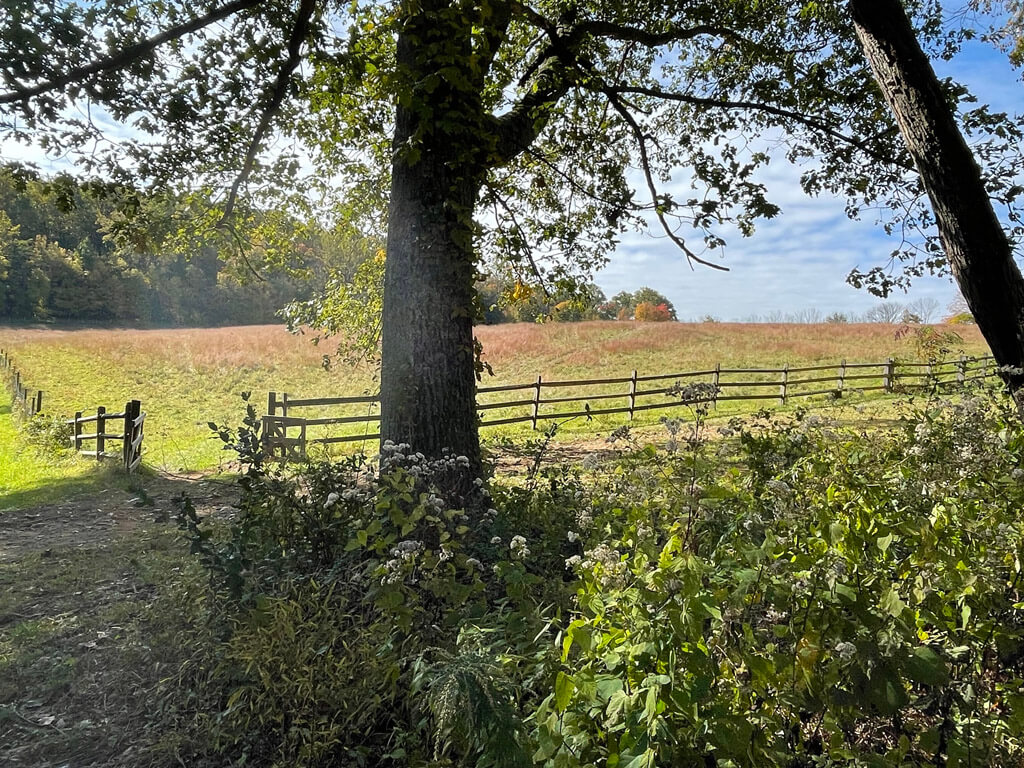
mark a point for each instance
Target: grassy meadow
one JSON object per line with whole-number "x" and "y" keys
{"x": 186, "y": 378}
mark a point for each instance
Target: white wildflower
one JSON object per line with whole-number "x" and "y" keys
{"x": 846, "y": 650}
{"x": 518, "y": 549}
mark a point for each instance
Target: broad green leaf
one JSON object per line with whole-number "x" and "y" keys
{"x": 564, "y": 686}
{"x": 926, "y": 666}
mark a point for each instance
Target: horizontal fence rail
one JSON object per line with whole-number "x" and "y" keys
{"x": 28, "y": 402}
{"x": 130, "y": 434}
{"x": 287, "y": 435}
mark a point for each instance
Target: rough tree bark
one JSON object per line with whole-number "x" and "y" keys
{"x": 976, "y": 246}
{"x": 428, "y": 396}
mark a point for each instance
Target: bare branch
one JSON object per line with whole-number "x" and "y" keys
{"x": 300, "y": 31}
{"x": 130, "y": 54}
{"x": 576, "y": 186}
{"x": 645, "y": 164}
{"x": 610, "y": 31}
{"x": 499, "y": 200}
{"x": 240, "y": 250}
{"x": 798, "y": 117}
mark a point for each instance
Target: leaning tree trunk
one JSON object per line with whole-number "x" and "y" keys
{"x": 976, "y": 246}
{"x": 428, "y": 382}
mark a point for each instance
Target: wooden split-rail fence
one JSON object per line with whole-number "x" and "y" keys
{"x": 28, "y": 402}
{"x": 130, "y": 434}
{"x": 287, "y": 435}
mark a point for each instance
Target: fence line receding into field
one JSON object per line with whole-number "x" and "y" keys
{"x": 29, "y": 406}
{"x": 286, "y": 435}
{"x": 133, "y": 419}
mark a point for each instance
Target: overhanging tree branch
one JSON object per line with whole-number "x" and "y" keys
{"x": 789, "y": 114}
{"x": 128, "y": 55}
{"x": 645, "y": 165}
{"x": 518, "y": 128}
{"x": 500, "y": 200}
{"x": 300, "y": 31}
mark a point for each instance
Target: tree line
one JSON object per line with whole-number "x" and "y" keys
{"x": 67, "y": 256}
{"x": 508, "y": 301}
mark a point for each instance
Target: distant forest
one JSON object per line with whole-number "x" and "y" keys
{"x": 67, "y": 256}
{"x": 92, "y": 253}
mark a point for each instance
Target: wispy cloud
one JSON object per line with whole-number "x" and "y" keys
{"x": 799, "y": 260}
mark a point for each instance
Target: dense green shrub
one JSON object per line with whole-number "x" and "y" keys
{"x": 51, "y": 435}
{"x": 791, "y": 592}
{"x": 357, "y": 616}
{"x": 833, "y": 598}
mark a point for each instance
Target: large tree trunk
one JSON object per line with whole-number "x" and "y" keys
{"x": 428, "y": 382}
{"x": 976, "y": 246}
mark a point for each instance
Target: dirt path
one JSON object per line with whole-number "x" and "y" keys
{"x": 99, "y": 518}
{"x": 80, "y": 621}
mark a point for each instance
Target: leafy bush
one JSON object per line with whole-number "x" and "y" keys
{"x": 646, "y": 312}
{"x": 356, "y": 615}
{"x": 789, "y": 592}
{"x": 842, "y": 599}
{"x": 960, "y": 318}
{"x": 50, "y": 434}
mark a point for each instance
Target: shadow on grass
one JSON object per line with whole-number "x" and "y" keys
{"x": 108, "y": 477}
{"x": 53, "y": 489}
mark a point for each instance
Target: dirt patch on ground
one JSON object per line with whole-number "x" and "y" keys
{"x": 99, "y": 518}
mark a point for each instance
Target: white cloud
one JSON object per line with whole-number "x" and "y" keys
{"x": 799, "y": 260}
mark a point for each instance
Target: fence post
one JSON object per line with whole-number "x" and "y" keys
{"x": 39, "y": 402}
{"x": 101, "y": 442}
{"x": 126, "y": 438}
{"x": 714, "y": 381}
{"x": 888, "y": 378}
{"x": 632, "y": 395}
{"x": 284, "y": 404}
{"x": 271, "y": 403}
{"x": 131, "y": 412}
{"x": 841, "y": 381}
{"x": 784, "y": 384}
{"x": 536, "y": 401}
{"x": 961, "y": 370}
{"x": 78, "y": 431}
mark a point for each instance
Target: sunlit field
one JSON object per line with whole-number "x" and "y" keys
{"x": 187, "y": 378}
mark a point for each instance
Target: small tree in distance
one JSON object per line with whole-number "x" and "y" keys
{"x": 626, "y": 305}
{"x": 885, "y": 312}
{"x": 646, "y": 312}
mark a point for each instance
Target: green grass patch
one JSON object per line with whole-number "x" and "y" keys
{"x": 29, "y": 477}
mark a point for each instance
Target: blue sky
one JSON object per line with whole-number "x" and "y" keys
{"x": 799, "y": 260}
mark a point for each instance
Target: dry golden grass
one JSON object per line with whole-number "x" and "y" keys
{"x": 521, "y": 351}
{"x": 188, "y": 377}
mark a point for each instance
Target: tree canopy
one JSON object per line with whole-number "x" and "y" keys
{"x": 578, "y": 98}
